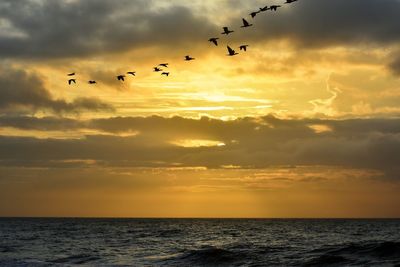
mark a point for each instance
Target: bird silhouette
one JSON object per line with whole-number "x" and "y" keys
{"x": 246, "y": 24}
{"x": 157, "y": 69}
{"x": 243, "y": 47}
{"x": 231, "y": 51}
{"x": 165, "y": 73}
{"x": 133, "y": 73}
{"x": 121, "y": 78}
{"x": 70, "y": 81}
{"x": 254, "y": 14}
{"x": 263, "y": 9}
{"x": 214, "y": 41}
{"x": 92, "y": 82}
{"x": 189, "y": 58}
{"x": 71, "y": 74}
{"x": 290, "y": 1}
{"x": 274, "y": 8}
{"x": 227, "y": 31}
{"x": 163, "y": 65}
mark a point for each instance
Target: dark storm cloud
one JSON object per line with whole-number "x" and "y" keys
{"x": 319, "y": 23}
{"x": 255, "y": 143}
{"x": 52, "y": 29}
{"x": 20, "y": 90}
{"x": 394, "y": 65}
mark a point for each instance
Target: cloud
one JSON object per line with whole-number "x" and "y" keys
{"x": 319, "y": 23}
{"x": 23, "y": 91}
{"x": 394, "y": 65}
{"x": 249, "y": 143}
{"x": 63, "y": 29}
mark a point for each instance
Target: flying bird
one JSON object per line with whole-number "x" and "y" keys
{"x": 231, "y": 51}
{"x": 262, "y": 9}
{"x": 226, "y": 31}
{"x": 133, "y": 73}
{"x": 92, "y": 82}
{"x": 214, "y": 41}
{"x": 121, "y": 78}
{"x": 254, "y": 14}
{"x": 274, "y": 8}
{"x": 165, "y": 73}
{"x": 246, "y": 24}
{"x": 189, "y": 58}
{"x": 290, "y": 1}
{"x": 163, "y": 65}
{"x": 243, "y": 47}
{"x": 71, "y": 74}
{"x": 157, "y": 69}
{"x": 70, "y": 81}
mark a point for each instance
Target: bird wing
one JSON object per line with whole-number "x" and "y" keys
{"x": 245, "y": 23}
{"x": 230, "y": 50}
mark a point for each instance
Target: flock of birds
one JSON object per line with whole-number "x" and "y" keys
{"x": 226, "y": 31}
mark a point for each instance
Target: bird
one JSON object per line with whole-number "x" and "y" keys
{"x": 214, "y": 41}
{"x": 243, "y": 47}
{"x": 246, "y": 24}
{"x": 226, "y": 31}
{"x": 231, "y": 51}
{"x": 92, "y": 82}
{"x": 165, "y": 73}
{"x": 71, "y": 74}
{"x": 157, "y": 69}
{"x": 290, "y": 1}
{"x": 274, "y": 8}
{"x": 133, "y": 73}
{"x": 121, "y": 78}
{"x": 70, "y": 81}
{"x": 262, "y": 9}
{"x": 164, "y": 65}
{"x": 189, "y": 58}
{"x": 254, "y": 14}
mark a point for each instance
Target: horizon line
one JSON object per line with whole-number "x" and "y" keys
{"x": 202, "y": 218}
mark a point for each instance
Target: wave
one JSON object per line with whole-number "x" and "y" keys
{"x": 169, "y": 233}
{"x": 29, "y": 238}
{"x": 76, "y": 259}
{"x": 388, "y": 252}
{"x": 7, "y": 249}
{"x": 210, "y": 256}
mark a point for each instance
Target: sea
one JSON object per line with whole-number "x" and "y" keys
{"x": 198, "y": 242}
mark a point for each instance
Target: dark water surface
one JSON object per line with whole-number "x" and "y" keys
{"x": 198, "y": 242}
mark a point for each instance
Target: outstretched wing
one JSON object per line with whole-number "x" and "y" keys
{"x": 245, "y": 23}
{"x": 230, "y": 51}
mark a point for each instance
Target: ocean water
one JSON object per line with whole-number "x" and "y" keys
{"x": 198, "y": 242}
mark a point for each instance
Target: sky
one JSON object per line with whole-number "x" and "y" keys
{"x": 305, "y": 124}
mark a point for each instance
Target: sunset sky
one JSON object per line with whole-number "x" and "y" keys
{"x": 304, "y": 124}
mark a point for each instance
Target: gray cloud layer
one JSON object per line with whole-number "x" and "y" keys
{"x": 367, "y": 143}
{"x": 394, "y": 65}
{"x": 51, "y": 29}
{"x": 56, "y": 29}
{"x": 325, "y": 22}
{"x": 22, "y": 91}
